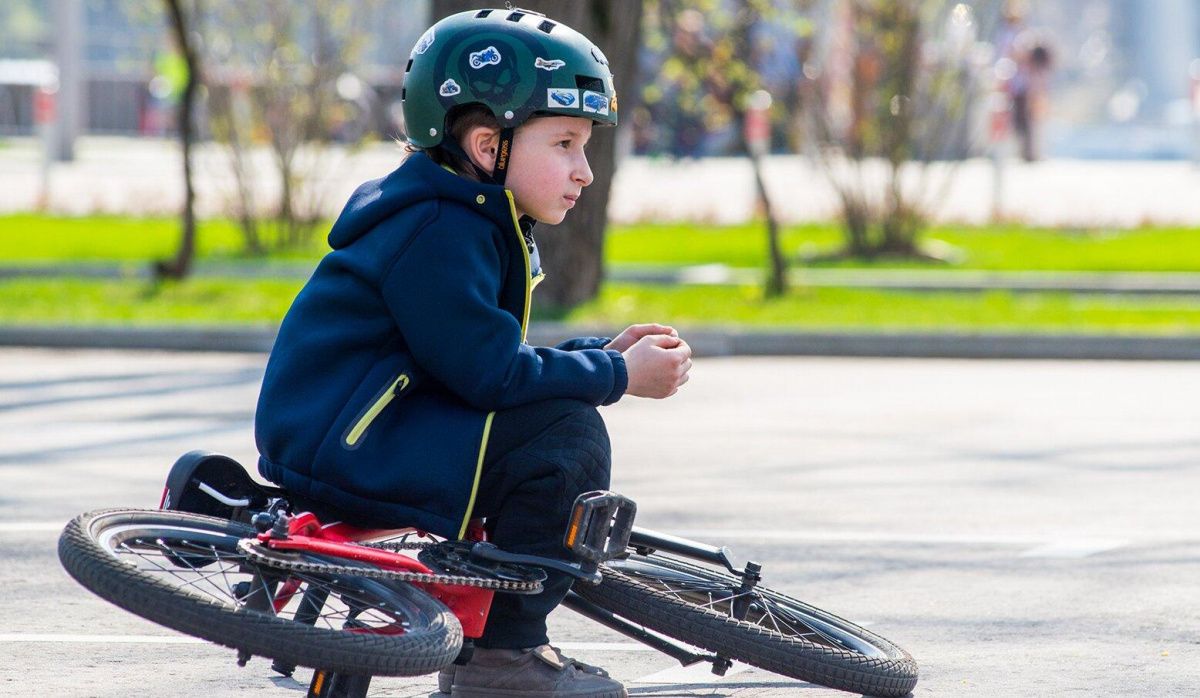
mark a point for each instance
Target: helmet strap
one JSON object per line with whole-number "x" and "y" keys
{"x": 503, "y": 156}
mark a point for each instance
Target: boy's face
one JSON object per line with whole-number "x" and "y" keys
{"x": 548, "y": 167}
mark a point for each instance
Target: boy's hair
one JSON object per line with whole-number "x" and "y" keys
{"x": 459, "y": 122}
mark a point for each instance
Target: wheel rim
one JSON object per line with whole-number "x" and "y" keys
{"x": 765, "y": 609}
{"x": 207, "y": 564}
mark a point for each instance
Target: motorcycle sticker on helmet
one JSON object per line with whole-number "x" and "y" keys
{"x": 488, "y": 56}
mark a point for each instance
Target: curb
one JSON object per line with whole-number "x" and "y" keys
{"x": 704, "y": 342}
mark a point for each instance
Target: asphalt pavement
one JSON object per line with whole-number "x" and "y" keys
{"x": 1023, "y": 528}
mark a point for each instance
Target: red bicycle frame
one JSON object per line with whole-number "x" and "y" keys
{"x": 306, "y": 534}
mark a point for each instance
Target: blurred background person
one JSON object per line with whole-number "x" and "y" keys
{"x": 1024, "y": 60}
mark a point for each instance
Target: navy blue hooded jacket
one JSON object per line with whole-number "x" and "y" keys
{"x": 380, "y": 390}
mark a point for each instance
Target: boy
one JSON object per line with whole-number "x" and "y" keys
{"x": 401, "y": 390}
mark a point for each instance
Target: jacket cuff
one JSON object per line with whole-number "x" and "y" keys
{"x": 581, "y": 343}
{"x": 620, "y": 377}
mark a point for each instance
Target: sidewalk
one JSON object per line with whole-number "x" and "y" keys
{"x": 140, "y": 176}
{"x": 705, "y": 341}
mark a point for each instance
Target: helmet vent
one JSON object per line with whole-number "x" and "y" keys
{"x": 482, "y": 13}
{"x": 584, "y": 82}
{"x": 515, "y": 16}
{"x": 409, "y": 66}
{"x": 547, "y": 26}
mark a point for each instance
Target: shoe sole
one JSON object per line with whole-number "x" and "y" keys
{"x": 465, "y": 692}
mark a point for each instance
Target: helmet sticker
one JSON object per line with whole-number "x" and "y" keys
{"x": 595, "y": 102}
{"x": 562, "y": 97}
{"x": 488, "y": 56}
{"x": 552, "y": 64}
{"x": 449, "y": 88}
{"x": 425, "y": 42}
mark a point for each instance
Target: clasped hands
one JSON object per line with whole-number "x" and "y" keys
{"x": 656, "y": 359}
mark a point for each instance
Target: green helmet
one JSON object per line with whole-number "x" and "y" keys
{"x": 514, "y": 62}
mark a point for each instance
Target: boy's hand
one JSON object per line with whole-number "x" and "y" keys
{"x": 633, "y": 333}
{"x": 658, "y": 365}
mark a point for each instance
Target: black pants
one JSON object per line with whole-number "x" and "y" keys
{"x": 539, "y": 458}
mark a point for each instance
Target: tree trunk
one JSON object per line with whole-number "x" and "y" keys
{"x": 572, "y": 252}
{"x": 776, "y": 284}
{"x": 181, "y": 265}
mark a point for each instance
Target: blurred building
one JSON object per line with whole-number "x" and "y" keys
{"x": 125, "y": 61}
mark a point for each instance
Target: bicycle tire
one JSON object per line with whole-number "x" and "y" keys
{"x": 184, "y": 571}
{"x": 693, "y": 604}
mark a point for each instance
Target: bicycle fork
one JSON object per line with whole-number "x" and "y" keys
{"x": 644, "y": 542}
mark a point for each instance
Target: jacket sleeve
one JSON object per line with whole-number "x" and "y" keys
{"x": 443, "y": 291}
{"x": 580, "y": 343}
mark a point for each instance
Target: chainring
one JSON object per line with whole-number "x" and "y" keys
{"x": 454, "y": 557}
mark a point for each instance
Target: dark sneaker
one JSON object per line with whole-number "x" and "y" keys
{"x": 446, "y": 679}
{"x": 538, "y": 672}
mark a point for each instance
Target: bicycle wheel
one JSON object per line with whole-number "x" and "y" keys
{"x": 779, "y": 633}
{"x": 185, "y": 571}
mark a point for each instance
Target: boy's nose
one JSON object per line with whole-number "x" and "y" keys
{"x": 583, "y": 173}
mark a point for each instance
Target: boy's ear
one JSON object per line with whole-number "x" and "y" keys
{"x": 480, "y": 144}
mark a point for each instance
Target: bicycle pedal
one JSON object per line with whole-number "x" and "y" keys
{"x": 601, "y": 523}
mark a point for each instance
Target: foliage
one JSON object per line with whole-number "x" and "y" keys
{"x": 709, "y": 82}
{"x": 706, "y": 56}
{"x": 23, "y": 28}
{"x": 896, "y": 89}
{"x": 282, "y": 75}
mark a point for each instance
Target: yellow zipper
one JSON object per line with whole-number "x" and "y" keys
{"x": 512, "y": 208}
{"x": 354, "y": 436}
{"x": 487, "y": 424}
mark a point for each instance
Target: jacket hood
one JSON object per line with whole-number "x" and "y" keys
{"x": 422, "y": 180}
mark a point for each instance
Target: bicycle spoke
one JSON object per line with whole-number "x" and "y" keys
{"x": 720, "y": 597}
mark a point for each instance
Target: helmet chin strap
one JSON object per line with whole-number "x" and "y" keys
{"x": 503, "y": 157}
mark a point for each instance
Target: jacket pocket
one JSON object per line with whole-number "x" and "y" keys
{"x": 357, "y": 431}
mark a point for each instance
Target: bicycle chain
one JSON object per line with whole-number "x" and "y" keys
{"x": 252, "y": 548}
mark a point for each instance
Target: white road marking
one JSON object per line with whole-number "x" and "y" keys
{"x": 66, "y": 638}
{"x": 603, "y": 646}
{"x": 101, "y": 639}
{"x": 1081, "y": 547}
{"x": 698, "y": 673}
{"x": 31, "y": 526}
{"x": 1069, "y": 546}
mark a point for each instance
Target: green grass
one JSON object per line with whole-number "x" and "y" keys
{"x": 31, "y": 239}
{"x": 36, "y": 239}
{"x": 26, "y": 239}
{"x": 846, "y": 309}
{"x": 993, "y": 248}
{"x": 220, "y": 301}
{"x": 113, "y": 302}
